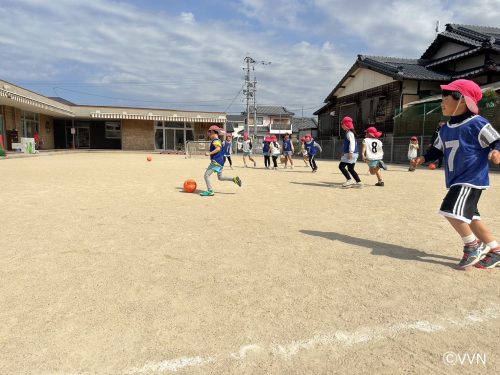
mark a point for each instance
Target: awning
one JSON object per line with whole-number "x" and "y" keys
{"x": 34, "y": 103}
{"x": 153, "y": 117}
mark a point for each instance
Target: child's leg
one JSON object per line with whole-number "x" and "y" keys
{"x": 305, "y": 160}
{"x": 482, "y": 232}
{"x": 223, "y": 178}
{"x": 378, "y": 174}
{"x": 350, "y": 167}
{"x": 313, "y": 161}
{"x": 286, "y": 161}
{"x": 343, "y": 169}
{"x": 251, "y": 159}
{"x": 229, "y": 160}
{"x": 208, "y": 173}
{"x": 290, "y": 158}
{"x": 244, "y": 160}
{"x": 275, "y": 161}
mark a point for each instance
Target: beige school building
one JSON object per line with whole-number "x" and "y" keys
{"x": 64, "y": 125}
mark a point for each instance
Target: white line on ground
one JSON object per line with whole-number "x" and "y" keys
{"x": 339, "y": 338}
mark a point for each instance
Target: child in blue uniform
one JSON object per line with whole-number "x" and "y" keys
{"x": 350, "y": 155}
{"x": 312, "y": 149}
{"x": 467, "y": 141}
{"x": 288, "y": 150}
{"x": 228, "y": 149}
{"x": 266, "y": 151}
{"x": 216, "y": 161}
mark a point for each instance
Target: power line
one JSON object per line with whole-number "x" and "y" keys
{"x": 140, "y": 101}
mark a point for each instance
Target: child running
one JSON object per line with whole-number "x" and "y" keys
{"x": 216, "y": 161}
{"x": 265, "y": 150}
{"x": 288, "y": 150}
{"x": 312, "y": 149}
{"x": 412, "y": 152}
{"x": 467, "y": 141}
{"x": 247, "y": 150}
{"x": 303, "y": 151}
{"x": 350, "y": 155}
{"x": 228, "y": 150}
{"x": 373, "y": 153}
{"x": 275, "y": 151}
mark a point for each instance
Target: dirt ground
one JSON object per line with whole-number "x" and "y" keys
{"x": 107, "y": 267}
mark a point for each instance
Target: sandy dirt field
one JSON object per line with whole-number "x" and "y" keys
{"x": 107, "y": 267}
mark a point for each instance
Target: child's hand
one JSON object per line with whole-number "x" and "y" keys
{"x": 207, "y": 153}
{"x": 495, "y": 156}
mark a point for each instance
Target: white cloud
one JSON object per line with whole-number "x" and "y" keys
{"x": 187, "y": 17}
{"x": 168, "y": 58}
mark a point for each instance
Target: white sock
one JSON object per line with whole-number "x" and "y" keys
{"x": 492, "y": 245}
{"x": 470, "y": 238}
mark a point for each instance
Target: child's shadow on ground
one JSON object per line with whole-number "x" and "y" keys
{"x": 381, "y": 248}
{"x": 320, "y": 184}
{"x": 198, "y": 191}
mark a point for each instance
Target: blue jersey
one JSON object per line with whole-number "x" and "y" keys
{"x": 287, "y": 145}
{"x": 227, "y": 148}
{"x": 347, "y": 142}
{"x": 311, "y": 148}
{"x": 466, "y": 147}
{"x": 217, "y": 158}
{"x": 265, "y": 147}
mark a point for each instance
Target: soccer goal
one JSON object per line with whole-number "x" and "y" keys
{"x": 197, "y": 148}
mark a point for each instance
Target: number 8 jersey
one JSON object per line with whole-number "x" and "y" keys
{"x": 374, "y": 149}
{"x": 465, "y": 146}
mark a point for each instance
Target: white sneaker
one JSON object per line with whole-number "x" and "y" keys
{"x": 348, "y": 183}
{"x": 358, "y": 185}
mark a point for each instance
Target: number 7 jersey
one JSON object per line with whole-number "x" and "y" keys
{"x": 466, "y": 147}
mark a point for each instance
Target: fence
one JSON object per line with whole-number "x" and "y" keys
{"x": 395, "y": 148}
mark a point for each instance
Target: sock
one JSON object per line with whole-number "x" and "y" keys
{"x": 470, "y": 239}
{"x": 493, "y": 245}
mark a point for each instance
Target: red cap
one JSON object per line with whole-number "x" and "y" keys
{"x": 245, "y": 136}
{"x": 373, "y": 132}
{"x": 414, "y": 138}
{"x": 274, "y": 138}
{"x": 267, "y": 138}
{"x": 348, "y": 123}
{"x": 469, "y": 89}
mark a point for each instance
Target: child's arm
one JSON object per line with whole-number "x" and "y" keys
{"x": 316, "y": 144}
{"x": 363, "y": 153}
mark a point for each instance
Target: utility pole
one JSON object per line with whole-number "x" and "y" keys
{"x": 250, "y": 92}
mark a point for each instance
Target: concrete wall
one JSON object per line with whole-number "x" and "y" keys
{"x": 46, "y": 131}
{"x": 138, "y": 135}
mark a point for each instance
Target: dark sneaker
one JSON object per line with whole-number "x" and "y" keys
{"x": 208, "y": 193}
{"x": 472, "y": 255}
{"x": 382, "y": 165}
{"x": 491, "y": 260}
{"x": 237, "y": 181}
{"x": 380, "y": 183}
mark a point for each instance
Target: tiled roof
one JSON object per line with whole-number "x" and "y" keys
{"x": 400, "y": 68}
{"x": 301, "y": 123}
{"x": 271, "y": 110}
{"x": 469, "y": 35}
{"x": 235, "y": 118}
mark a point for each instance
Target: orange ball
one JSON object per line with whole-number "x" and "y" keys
{"x": 432, "y": 166}
{"x": 189, "y": 186}
{"x": 149, "y": 158}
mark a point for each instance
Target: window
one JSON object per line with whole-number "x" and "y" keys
{"x": 260, "y": 120}
{"x": 31, "y": 123}
{"x": 113, "y": 130}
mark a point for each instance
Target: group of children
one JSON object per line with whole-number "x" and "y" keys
{"x": 467, "y": 142}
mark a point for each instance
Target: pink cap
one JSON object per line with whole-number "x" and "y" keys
{"x": 469, "y": 89}
{"x": 245, "y": 136}
{"x": 414, "y": 138}
{"x": 348, "y": 123}
{"x": 372, "y": 131}
{"x": 267, "y": 139}
{"x": 216, "y": 128}
{"x": 274, "y": 138}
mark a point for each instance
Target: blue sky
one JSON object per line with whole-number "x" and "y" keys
{"x": 189, "y": 54}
